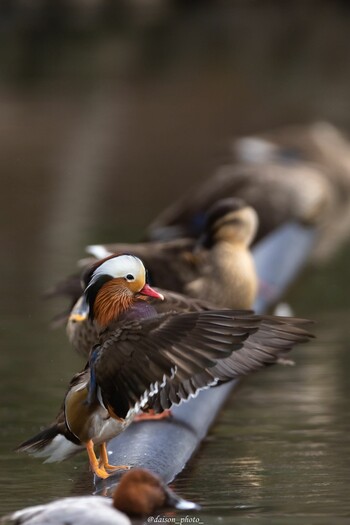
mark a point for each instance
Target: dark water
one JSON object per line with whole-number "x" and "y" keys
{"x": 92, "y": 145}
{"x": 280, "y": 450}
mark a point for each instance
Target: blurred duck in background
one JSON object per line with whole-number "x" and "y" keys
{"x": 279, "y": 189}
{"x": 297, "y": 173}
{"x": 328, "y": 150}
{"x": 279, "y": 192}
{"x": 145, "y": 360}
{"x": 139, "y": 493}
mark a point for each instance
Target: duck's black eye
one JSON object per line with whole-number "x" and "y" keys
{"x": 130, "y": 277}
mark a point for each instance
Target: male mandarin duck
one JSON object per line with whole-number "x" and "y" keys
{"x": 139, "y": 493}
{"x": 145, "y": 359}
{"x": 217, "y": 267}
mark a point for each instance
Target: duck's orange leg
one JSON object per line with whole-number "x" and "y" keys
{"x": 100, "y": 471}
{"x": 150, "y": 415}
{"x": 104, "y": 464}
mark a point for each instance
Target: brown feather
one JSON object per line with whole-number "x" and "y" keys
{"x": 112, "y": 300}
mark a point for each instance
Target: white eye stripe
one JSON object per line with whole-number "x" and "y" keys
{"x": 126, "y": 266}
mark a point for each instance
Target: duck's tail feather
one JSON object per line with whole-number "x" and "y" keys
{"x": 51, "y": 444}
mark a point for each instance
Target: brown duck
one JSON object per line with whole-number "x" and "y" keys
{"x": 145, "y": 359}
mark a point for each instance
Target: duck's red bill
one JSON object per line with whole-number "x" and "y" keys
{"x": 147, "y": 290}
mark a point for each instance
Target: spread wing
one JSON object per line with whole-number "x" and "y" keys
{"x": 275, "y": 337}
{"x": 135, "y": 362}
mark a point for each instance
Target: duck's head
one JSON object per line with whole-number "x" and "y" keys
{"x": 140, "y": 493}
{"x": 112, "y": 286}
{"x": 230, "y": 220}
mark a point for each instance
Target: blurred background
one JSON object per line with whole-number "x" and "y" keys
{"x": 110, "y": 110}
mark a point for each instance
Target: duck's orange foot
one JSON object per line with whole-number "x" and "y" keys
{"x": 150, "y": 415}
{"x": 103, "y": 463}
{"x": 96, "y": 467}
{"x": 101, "y": 473}
{"x": 117, "y": 467}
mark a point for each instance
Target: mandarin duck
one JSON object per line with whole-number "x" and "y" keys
{"x": 148, "y": 360}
